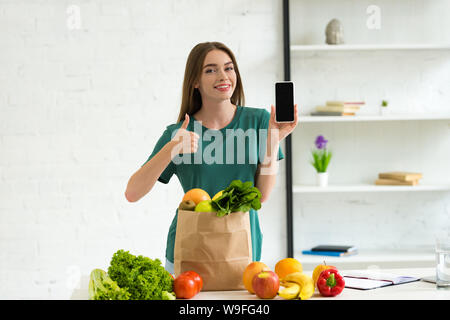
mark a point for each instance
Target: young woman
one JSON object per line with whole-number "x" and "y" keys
{"x": 200, "y": 148}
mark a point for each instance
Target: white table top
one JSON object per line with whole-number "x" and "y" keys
{"x": 418, "y": 290}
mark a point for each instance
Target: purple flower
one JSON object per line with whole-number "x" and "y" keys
{"x": 321, "y": 143}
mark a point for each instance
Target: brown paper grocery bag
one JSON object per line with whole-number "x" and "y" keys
{"x": 217, "y": 248}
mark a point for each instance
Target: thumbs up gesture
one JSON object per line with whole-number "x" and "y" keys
{"x": 186, "y": 141}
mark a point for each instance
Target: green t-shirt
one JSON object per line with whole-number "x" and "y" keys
{"x": 231, "y": 153}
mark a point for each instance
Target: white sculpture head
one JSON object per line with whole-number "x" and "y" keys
{"x": 334, "y": 32}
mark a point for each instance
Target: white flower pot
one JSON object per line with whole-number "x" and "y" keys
{"x": 384, "y": 111}
{"x": 322, "y": 179}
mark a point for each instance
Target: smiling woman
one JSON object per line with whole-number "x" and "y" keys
{"x": 208, "y": 64}
{"x": 212, "y": 102}
{"x": 216, "y": 85}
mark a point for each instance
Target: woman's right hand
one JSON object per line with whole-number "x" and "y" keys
{"x": 186, "y": 141}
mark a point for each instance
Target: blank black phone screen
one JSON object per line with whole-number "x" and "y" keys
{"x": 284, "y": 101}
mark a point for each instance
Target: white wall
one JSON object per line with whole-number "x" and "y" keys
{"x": 81, "y": 110}
{"x": 413, "y": 82}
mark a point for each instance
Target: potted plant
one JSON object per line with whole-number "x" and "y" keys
{"x": 384, "y": 105}
{"x": 321, "y": 157}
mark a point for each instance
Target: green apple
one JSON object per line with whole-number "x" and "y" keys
{"x": 204, "y": 206}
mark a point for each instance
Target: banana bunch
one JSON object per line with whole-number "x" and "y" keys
{"x": 296, "y": 285}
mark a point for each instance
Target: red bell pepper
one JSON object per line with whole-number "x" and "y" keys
{"x": 330, "y": 283}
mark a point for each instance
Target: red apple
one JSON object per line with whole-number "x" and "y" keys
{"x": 266, "y": 284}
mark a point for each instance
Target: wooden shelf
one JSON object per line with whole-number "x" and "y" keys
{"x": 368, "y": 47}
{"x": 390, "y": 117}
{"x": 368, "y": 188}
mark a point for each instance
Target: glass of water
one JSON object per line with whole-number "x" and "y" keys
{"x": 443, "y": 262}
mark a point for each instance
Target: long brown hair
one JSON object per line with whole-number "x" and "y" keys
{"x": 191, "y": 100}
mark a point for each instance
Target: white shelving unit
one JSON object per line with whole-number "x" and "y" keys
{"x": 373, "y": 258}
{"x": 390, "y": 117}
{"x": 368, "y": 188}
{"x": 368, "y": 258}
{"x": 370, "y": 117}
{"x": 368, "y": 47}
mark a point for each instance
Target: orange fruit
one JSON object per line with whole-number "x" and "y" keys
{"x": 197, "y": 195}
{"x": 287, "y": 266}
{"x": 318, "y": 270}
{"x": 250, "y": 271}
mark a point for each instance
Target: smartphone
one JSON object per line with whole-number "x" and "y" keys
{"x": 284, "y": 101}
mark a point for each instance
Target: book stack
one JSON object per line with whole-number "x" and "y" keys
{"x": 398, "y": 178}
{"x": 338, "y": 108}
{"x": 332, "y": 250}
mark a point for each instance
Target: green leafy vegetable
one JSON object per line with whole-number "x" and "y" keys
{"x": 142, "y": 277}
{"x": 238, "y": 196}
{"x": 102, "y": 287}
{"x": 168, "y": 296}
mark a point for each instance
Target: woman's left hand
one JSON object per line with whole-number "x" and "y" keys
{"x": 284, "y": 128}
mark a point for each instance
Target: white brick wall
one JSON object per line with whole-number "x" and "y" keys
{"x": 80, "y": 111}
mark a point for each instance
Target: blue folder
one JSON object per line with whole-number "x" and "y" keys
{"x": 329, "y": 253}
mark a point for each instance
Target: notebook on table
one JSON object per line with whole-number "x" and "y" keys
{"x": 367, "y": 280}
